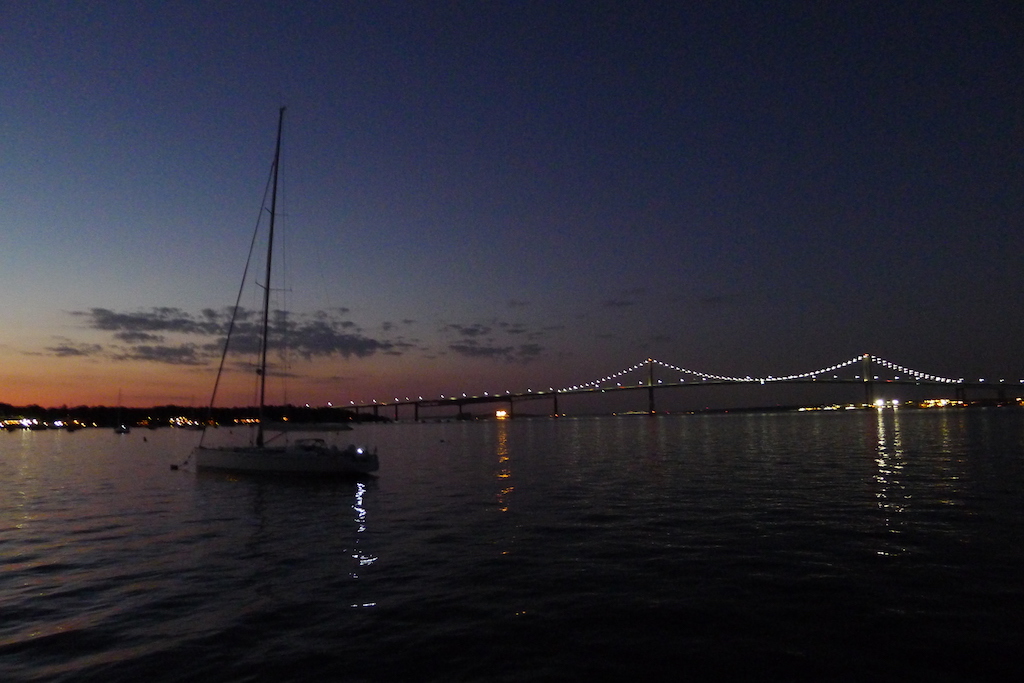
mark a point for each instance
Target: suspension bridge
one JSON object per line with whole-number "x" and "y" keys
{"x": 651, "y": 375}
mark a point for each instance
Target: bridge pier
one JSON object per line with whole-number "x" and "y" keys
{"x": 555, "y": 414}
{"x": 869, "y": 392}
{"x": 416, "y": 411}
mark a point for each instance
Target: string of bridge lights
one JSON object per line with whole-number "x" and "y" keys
{"x": 914, "y": 373}
{"x": 813, "y": 374}
{"x": 705, "y": 376}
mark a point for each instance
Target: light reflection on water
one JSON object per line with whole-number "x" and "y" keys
{"x": 892, "y": 494}
{"x": 364, "y": 559}
{"x": 524, "y": 547}
{"x": 504, "y": 472}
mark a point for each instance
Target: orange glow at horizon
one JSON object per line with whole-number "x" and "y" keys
{"x": 47, "y": 381}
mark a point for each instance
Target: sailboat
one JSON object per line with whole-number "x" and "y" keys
{"x": 302, "y": 456}
{"x": 120, "y": 427}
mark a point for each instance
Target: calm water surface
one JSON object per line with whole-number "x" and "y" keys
{"x": 830, "y": 546}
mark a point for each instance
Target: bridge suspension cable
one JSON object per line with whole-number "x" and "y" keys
{"x": 866, "y": 360}
{"x": 916, "y": 374}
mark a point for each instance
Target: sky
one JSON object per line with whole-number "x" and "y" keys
{"x": 505, "y": 195}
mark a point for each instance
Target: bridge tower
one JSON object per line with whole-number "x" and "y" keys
{"x": 650, "y": 386}
{"x": 869, "y": 384}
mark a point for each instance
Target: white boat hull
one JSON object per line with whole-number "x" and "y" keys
{"x": 307, "y": 456}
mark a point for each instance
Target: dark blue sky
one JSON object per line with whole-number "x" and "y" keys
{"x": 504, "y": 195}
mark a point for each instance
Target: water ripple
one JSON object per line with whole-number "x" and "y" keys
{"x": 531, "y": 549}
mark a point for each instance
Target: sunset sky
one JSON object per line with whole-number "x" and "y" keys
{"x": 491, "y": 196}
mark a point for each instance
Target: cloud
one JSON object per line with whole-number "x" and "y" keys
{"x": 523, "y": 353}
{"x": 474, "y": 330}
{"x": 67, "y": 348}
{"x": 325, "y": 338}
{"x": 199, "y": 338}
{"x": 183, "y": 354}
{"x": 131, "y": 337}
{"x": 617, "y": 303}
{"x": 156, "y": 320}
{"x": 528, "y": 352}
{"x": 173, "y": 336}
{"x": 513, "y": 328}
{"x": 509, "y": 342}
{"x": 472, "y": 349}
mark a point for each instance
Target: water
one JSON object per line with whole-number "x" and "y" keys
{"x": 827, "y": 546}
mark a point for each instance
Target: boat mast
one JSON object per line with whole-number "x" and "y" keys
{"x": 266, "y": 285}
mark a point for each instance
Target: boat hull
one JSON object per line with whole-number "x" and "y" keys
{"x": 293, "y": 459}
